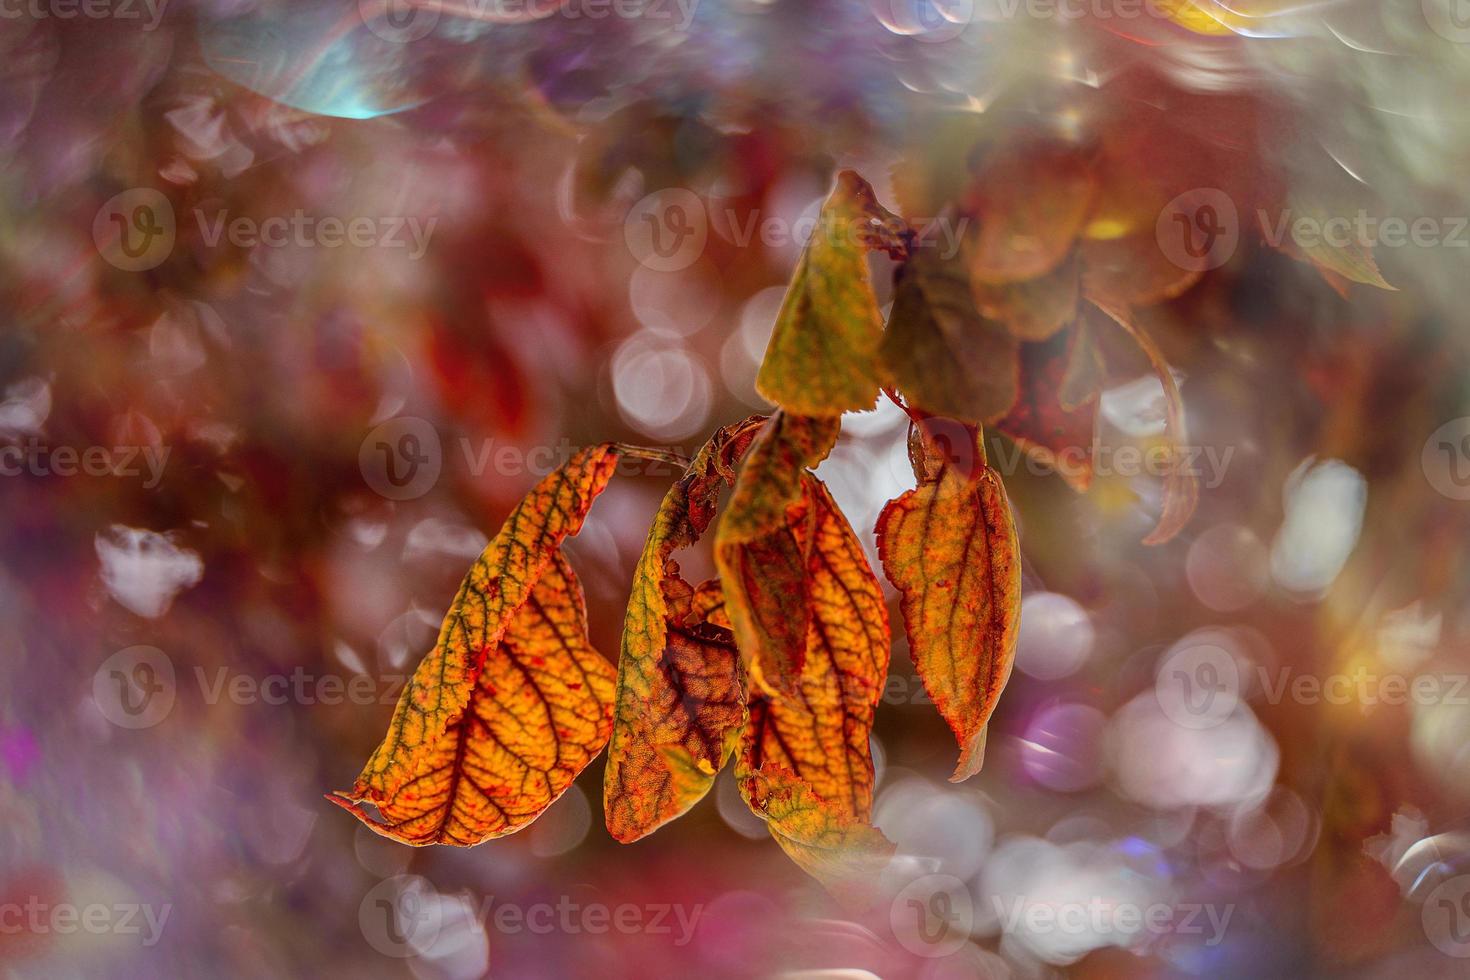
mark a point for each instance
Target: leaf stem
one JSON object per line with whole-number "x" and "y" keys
{"x": 652, "y": 453}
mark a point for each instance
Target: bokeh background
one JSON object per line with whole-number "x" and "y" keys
{"x": 213, "y": 577}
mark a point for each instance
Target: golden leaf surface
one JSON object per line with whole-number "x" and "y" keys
{"x": 680, "y": 687}
{"x": 512, "y": 702}
{"x": 806, "y": 763}
{"x": 949, "y": 547}
{"x": 761, "y": 561}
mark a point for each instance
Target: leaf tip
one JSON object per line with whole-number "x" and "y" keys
{"x": 972, "y": 756}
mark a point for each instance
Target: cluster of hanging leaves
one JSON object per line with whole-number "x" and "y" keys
{"x": 776, "y": 666}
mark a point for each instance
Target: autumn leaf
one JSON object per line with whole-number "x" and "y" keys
{"x": 758, "y": 552}
{"x": 512, "y": 703}
{"x": 949, "y": 547}
{"x": 945, "y": 356}
{"x": 1032, "y": 200}
{"x": 820, "y": 731}
{"x": 823, "y": 354}
{"x": 1054, "y": 419}
{"x": 1351, "y": 259}
{"x": 843, "y": 852}
{"x": 680, "y": 687}
{"x": 1181, "y": 486}
{"x": 806, "y": 763}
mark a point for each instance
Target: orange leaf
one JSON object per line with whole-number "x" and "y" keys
{"x": 806, "y": 763}
{"x": 820, "y": 731}
{"x": 762, "y": 563}
{"x": 949, "y": 547}
{"x": 843, "y": 852}
{"x": 540, "y": 711}
{"x": 1181, "y": 487}
{"x": 680, "y": 690}
{"x": 512, "y": 702}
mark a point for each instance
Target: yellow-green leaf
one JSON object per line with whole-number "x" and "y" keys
{"x": 823, "y": 355}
